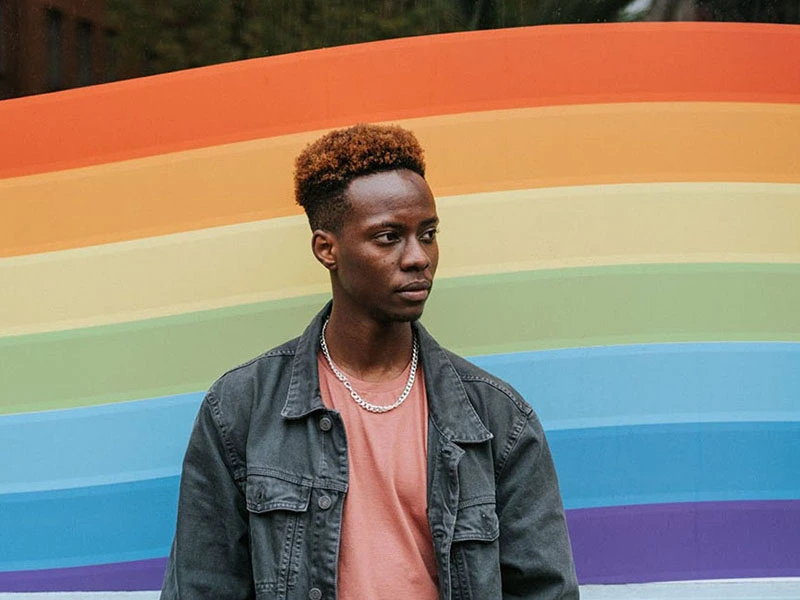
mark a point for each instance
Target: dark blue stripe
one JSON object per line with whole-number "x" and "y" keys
{"x": 86, "y": 526}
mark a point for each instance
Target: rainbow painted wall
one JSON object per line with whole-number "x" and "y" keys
{"x": 620, "y": 240}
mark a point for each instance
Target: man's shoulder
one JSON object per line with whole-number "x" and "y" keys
{"x": 488, "y": 387}
{"x": 276, "y": 359}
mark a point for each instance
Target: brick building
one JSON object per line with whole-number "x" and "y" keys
{"x": 48, "y": 45}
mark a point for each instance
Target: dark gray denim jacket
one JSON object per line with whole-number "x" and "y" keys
{"x": 265, "y": 477}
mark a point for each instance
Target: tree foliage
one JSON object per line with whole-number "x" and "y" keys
{"x": 166, "y": 35}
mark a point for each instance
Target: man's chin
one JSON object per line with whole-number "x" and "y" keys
{"x": 414, "y": 315}
{"x": 406, "y": 315}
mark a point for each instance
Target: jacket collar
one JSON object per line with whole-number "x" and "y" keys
{"x": 303, "y": 397}
{"x": 449, "y": 407}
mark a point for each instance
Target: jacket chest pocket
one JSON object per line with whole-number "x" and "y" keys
{"x": 475, "y": 553}
{"x": 277, "y": 511}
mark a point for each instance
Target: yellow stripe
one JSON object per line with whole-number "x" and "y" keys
{"x": 467, "y": 153}
{"x": 481, "y": 233}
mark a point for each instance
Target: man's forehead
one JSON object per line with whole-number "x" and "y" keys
{"x": 389, "y": 182}
{"x": 386, "y": 177}
{"x": 390, "y": 190}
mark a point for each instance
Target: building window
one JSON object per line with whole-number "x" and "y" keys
{"x": 55, "y": 35}
{"x": 84, "y": 48}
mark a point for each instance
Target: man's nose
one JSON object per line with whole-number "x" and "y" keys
{"x": 416, "y": 255}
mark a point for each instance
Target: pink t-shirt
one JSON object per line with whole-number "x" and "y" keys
{"x": 386, "y": 547}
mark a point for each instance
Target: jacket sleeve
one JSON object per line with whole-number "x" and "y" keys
{"x": 210, "y": 555}
{"x": 535, "y": 553}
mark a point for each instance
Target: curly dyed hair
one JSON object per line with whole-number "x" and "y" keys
{"x": 325, "y": 168}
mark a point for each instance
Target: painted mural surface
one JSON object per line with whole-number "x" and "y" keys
{"x": 620, "y": 240}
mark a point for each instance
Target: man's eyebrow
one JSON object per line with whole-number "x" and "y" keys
{"x": 397, "y": 225}
{"x": 387, "y": 225}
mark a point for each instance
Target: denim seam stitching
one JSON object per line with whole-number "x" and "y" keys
{"x": 477, "y": 501}
{"x": 511, "y": 444}
{"x": 238, "y": 472}
{"x": 521, "y": 405}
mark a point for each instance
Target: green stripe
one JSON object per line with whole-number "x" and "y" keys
{"x": 629, "y": 304}
{"x": 472, "y": 315}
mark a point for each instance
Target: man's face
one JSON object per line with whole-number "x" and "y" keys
{"x": 386, "y": 252}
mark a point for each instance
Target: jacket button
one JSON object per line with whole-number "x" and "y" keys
{"x": 324, "y": 503}
{"x": 325, "y": 423}
{"x": 315, "y": 594}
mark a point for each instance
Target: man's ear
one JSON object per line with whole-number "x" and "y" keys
{"x": 323, "y": 245}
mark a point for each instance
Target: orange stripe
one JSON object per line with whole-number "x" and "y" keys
{"x": 467, "y": 153}
{"x": 406, "y": 78}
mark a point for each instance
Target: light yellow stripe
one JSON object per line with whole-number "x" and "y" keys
{"x": 480, "y": 233}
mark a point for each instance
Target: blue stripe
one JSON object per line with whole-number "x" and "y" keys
{"x": 86, "y": 526}
{"x": 684, "y": 462}
{"x": 570, "y": 389}
{"x": 97, "y": 445}
{"x": 656, "y": 383}
{"x": 597, "y": 467}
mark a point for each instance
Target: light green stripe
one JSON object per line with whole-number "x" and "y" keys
{"x": 472, "y": 315}
{"x": 636, "y": 304}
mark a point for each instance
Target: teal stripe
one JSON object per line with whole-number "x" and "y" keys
{"x": 474, "y": 315}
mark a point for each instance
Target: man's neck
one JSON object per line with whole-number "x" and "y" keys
{"x": 369, "y": 350}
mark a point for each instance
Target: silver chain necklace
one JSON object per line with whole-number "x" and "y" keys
{"x": 354, "y": 395}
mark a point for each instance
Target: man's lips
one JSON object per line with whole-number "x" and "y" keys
{"x": 416, "y": 290}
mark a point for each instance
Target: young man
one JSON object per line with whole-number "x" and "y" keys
{"x": 362, "y": 460}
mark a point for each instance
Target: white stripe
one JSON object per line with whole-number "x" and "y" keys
{"x": 728, "y": 589}
{"x": 724, "y": 589}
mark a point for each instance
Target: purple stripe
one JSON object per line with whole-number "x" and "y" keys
{"x": 674, "y": 542}
{"x": 118, "y": 577}
{"x": 621, "y": 544}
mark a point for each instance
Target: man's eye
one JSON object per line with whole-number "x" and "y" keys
{"x": 387, "y": 237}
{"x": 429, "y": 235}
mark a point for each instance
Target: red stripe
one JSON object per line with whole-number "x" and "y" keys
{"x": 423, "y": 76}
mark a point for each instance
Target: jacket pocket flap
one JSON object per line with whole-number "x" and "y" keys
{"x": 478, "y": 522}
{"x": 265, "y": 493}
